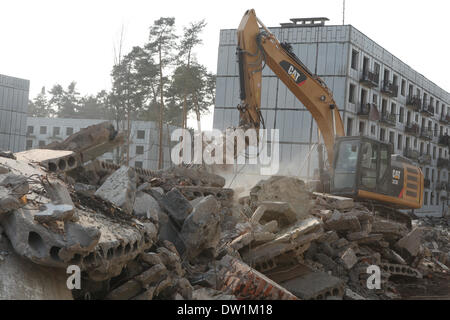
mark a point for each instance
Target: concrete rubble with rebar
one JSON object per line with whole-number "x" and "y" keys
{"x": 180, "y": 234}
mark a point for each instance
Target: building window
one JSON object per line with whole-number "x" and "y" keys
{"x": 139, "y": 149}
{"x": 351, "y": 96}
{"x": 355, "y": 59}
{"x": 361, "y": 128}
{"x": 400, "y": 142}
{"x": 56, "y": 131}
{"x": 29, "y": 144}
{"x": 434, "y": 153}
{"x": 141, "y": 134}
{"x": 432, "y": 198}
{"x": 403, "y": 88}
{"x": 69, "y": 131}
{"x": 392, "y": 137}
{"x": 432, "y": 175}
{"x": 393, "y": 109}
{"x": 138, "y": 164}
{"x": 41, "y": 143}
{"x": 30, "y": 129}
{"x": 401, "y": 115}
{"x": 43, "y": 130}
{"x": 382, "y": 134}
{"x": 349, "y": 127}
{"x": 425, "y": 199}
{"x": 373, "y": 129}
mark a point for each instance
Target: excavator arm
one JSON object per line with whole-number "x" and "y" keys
{"x": 257, "y": 47}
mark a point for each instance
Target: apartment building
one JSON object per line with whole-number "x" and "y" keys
{"x": 13, "y": 112}
{"x": 414, "y": 113}
{"x": 144, "y": 136}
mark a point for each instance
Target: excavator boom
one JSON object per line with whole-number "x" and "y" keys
{"x": 309, "y": 89}
{"x": 361, "y": 167}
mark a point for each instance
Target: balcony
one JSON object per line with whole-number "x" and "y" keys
{"x": 415, "y": 102}
{"x": 425, "y": 159}
{"x": 441, "y": 186}
{"x": 442, "y": 163}
{"x": 427, "y": 109}
{"x": 444, "y": 141}
{"x": 426, "y": 134}
{"x": 389, "y": 89}
{"x": 388, "y": 119}
{"x": 370, "y": 79}
{"x": 412, "y": 129}
{"x": 411, "y": 154}
{"x": 427, "y": 183}
{"x": 444, "y": 119}
{"x": 364, "y": 109}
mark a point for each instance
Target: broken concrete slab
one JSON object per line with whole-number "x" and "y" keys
{"x": 120, "y": 189}
{"x": 12, "y": 188}
{"x": 343, "y": 222}
{"x": 348, "y": 258}
{"x": 411, "y": 242}
{"x": 55, "y": 212}
{"x": 315, "y": 286}
{"x": 126, "y": 291}
{"x": 283, "y": 189}
{"x": 21, "y": 279}
{"x": 176, "y": 205}
{"x": 336, "y": 202}
{"x": 52, "y": 160}
{"x": 146, "y": 206}
{"x": 244, "y": 282}
{"x": 201, "y": 229}
{"x": 268, "y": 211}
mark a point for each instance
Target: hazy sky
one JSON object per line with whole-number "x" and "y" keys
{"x": 57, "y": 41}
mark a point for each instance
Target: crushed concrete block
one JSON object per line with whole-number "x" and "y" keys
{"x": 336, "y": 202}
{"x": 298, "y": 237}
{"x": 150, "y": 258}
{"x": 348, "y": 258}
{"x": 155, "y": 273}
{"x": 351, "y": 295}
{"x": 12, "y": 188}
{"x": 315, "y": 286}
{"x": 245, "y": 282}
{"x": 52, "y": 212}
{"x": 389, "y": 228}
{"x": 201, "y": 229}
{"x": 146, "y": 206}
{"x": 411, "y": 242}
{"x": 283, "y": 189}
{"x": 343, "y": 222}
{"x": 85, "y": 188}
{"x": 176, "y": 205}
{"x": 211, "y": 294}
{"x": 326, "y": 261}
{"x": 120, "y": 188}
{"x": 282, "y": 212}
{"x": 126, "y": 291}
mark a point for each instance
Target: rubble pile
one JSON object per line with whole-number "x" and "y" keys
{"x": 179, "y": 233}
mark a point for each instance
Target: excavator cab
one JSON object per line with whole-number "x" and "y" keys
{"x": 365, "y": 168}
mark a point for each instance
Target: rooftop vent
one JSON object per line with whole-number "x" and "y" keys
{"x": 305, "y": 22}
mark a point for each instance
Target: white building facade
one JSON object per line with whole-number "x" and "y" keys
{"x": 13, "y": 112}
{"x": 415, "y": 112}
{"x": 144, "y": 137}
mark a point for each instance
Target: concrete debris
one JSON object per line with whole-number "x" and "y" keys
{"x": 201, "y": 229}
{"x": 120, "y": 189}
{"x": 179, "y": 234}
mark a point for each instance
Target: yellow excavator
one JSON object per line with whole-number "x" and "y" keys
{"x": 359, "y": 167}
